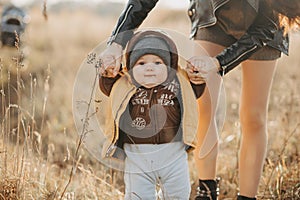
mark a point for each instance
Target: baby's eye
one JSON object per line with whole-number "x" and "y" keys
{"x": 141, "y": 63}
{"x": 158, "y": 62}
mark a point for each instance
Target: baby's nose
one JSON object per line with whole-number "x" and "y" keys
{"x": 150, "y": 66}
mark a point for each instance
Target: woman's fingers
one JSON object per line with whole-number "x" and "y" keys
{"x": 196, "y": 69}
{"x": 199, "y": 67}
{"x": 196, "y": 77}
{"x": 111, "y": 60}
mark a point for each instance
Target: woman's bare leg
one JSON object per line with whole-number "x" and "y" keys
{"x": 257, "y": 79}
{"x": 205, "y": 155}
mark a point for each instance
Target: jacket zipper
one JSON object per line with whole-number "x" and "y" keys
{"x": 149, "y": 107}
{"x": 225, "y": 66}
{"x": 112, "y": 146}
{"x": 121, "y": 24}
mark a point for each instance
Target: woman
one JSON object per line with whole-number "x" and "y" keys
{"x": 250, "y": 31}
{"x": 253, "y": 38}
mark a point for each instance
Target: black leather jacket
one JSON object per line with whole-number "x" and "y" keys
{"x": 264, "y": 30}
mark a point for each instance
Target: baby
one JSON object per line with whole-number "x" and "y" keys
{"x": 152, "y": 117}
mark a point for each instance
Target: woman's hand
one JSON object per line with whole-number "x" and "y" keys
{"x": 199, "y": 67}
{"x": 111, "y": 60}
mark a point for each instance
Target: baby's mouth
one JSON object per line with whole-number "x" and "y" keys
{"x": 149, "y": 75}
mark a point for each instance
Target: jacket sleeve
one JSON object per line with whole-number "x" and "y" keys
{"x": 259, "y": 33}
{"x": 131, "y": 18}
{"x": 106, "y": 84}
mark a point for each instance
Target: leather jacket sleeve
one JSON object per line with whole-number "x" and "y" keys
{"x": 258, "y": 35}
{"x": 131, "y": 18}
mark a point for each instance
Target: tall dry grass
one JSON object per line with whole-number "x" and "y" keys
{"x": 38, "y": 138}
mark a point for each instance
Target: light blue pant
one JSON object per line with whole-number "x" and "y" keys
{"x": 163, "y": 165}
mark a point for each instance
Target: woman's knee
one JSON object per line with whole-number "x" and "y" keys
{"x": 254, "y": 119}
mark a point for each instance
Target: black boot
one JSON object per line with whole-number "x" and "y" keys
{"x": 208, "y": 190}
{"x": 240, "y": 197}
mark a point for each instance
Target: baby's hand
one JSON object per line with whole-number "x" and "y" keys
{"x": 199, "y": 67}
{"x": 111, "y": 60}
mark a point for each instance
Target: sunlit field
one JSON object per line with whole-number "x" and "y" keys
{"x": 41, "y": 154}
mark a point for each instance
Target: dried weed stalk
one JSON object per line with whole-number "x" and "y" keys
{"x": 84, "y": 132}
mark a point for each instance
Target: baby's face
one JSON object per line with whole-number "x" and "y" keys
{"x": 150, "y": 71}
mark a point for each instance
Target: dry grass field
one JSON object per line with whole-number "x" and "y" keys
{"x": 39, "y": 153}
